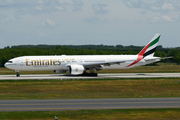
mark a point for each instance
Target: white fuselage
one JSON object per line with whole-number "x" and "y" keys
{"x": 32, "y": 63}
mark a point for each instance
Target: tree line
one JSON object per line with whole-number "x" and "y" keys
{"x": 27, "y": 50}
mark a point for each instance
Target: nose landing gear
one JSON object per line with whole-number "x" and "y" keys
{"x": 17, "y": 73}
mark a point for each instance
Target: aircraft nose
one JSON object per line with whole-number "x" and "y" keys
{"x": 6, "y": 64}
{"x": 9, "y": 64}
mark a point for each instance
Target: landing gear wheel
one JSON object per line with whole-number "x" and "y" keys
{"x": 17, "y": 75}
{"x": 95, "y": 74}
{"x": 90, "y": 74}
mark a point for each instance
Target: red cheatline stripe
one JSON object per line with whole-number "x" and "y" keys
{"x": 140, "y": 55}
{"x": 144, "y": 50}
{"x": 133, "y": 63}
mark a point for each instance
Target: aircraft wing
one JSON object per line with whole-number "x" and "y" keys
{"x": 104, "y": 63}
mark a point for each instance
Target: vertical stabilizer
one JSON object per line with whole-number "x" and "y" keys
{"x": 150, "y": 48}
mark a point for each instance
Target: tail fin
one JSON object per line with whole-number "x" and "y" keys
{"x": 150, "y": 48}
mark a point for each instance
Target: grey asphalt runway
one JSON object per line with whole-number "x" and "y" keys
{"x": 79, "y": 104}
{"x": 100, "y": 76}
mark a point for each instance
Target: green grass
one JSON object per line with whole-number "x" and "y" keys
{"x": 101, "y": 88}
{"x": 109, "y": 88}
{"x": 132, "y": 114}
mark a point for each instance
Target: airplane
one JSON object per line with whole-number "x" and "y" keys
{"x": 79, "y": 64}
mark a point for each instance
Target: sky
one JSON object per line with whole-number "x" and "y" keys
{"x": 84, "y": 22}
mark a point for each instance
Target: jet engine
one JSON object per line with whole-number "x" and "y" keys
{"x": 76, "y": 69}
{"x": 59, "y": 71}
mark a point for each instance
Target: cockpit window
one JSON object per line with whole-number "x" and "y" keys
{"x": 10, "y": 62}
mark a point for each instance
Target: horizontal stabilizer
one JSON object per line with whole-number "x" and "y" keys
{"x": 156, "y": 58}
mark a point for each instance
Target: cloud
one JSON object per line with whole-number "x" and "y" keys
{"x": 77, "y": 5}
{"x": 167, "y": 10}
{"x": 47, "y": 24}
{"x": 167, "y": 6}
{"x": 94, "y": 20}
{"x": 100, "y": 9}
{"x": 91, "y": 20}
{"x": 154, "y": 5}
{"x": 144, "y": 12}
{"x": 4, "y": 18}
{"x": 164, "y": 19}
{"x": 22, "y": 7}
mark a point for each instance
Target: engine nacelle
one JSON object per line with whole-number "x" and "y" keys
{"x": 76, "y": 69}
{"x": 59, "y": 71}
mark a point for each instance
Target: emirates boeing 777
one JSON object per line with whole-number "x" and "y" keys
{"x": 79, "y": 64}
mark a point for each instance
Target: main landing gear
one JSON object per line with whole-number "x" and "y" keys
{"x": 17, "y": 73}
{"x": 90, "y": 74}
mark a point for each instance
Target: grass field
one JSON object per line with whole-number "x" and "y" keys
{"x": 160, "y": 68}
{"x": 109, "y": 88}
{"x": 97, "y": 88}
{"x": 132, "y": 114}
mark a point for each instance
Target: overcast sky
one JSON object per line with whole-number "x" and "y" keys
{"x": 79, "y": 22}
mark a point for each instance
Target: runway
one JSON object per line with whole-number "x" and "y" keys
{"x": 100, "y": 76}
{"x": 79, "y": 104}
